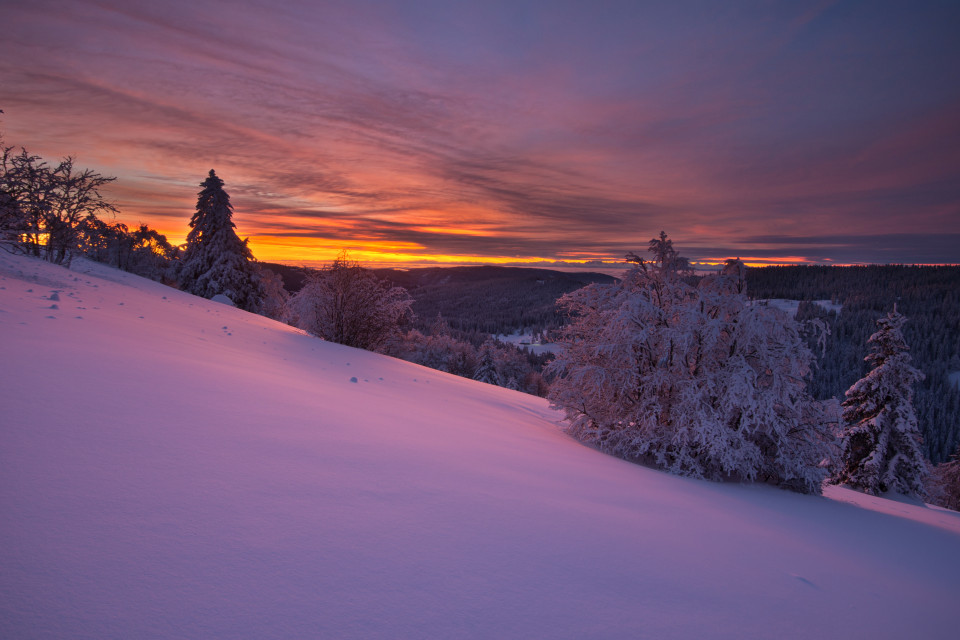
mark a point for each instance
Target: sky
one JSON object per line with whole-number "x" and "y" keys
{"x": 519, "y": 132}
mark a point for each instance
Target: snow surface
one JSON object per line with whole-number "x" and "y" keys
{"x": 173, "y": 467}
{"x": 527, "y": 341}
{"x": 791, "y": 306}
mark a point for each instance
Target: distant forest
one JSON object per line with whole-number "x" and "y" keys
{"x": 930, "y": 299}
{"x": 490, "y": 300}
{"x": 476, "y": 302}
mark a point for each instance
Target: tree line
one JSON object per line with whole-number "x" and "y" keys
{"x": 52, "y": 211}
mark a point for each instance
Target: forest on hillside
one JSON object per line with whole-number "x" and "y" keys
{"x": 490, "y": 300}
{"x": 476, "y": 302}
{"x": 929, "y": 296}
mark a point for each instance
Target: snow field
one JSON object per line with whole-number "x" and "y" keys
{"x": 173, "y": 467}
{"x": 790, "y": 306}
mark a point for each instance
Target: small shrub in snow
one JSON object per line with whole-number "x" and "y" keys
{"x": 689, "y": 376}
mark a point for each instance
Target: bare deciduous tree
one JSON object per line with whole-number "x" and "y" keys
{"x": 43, "y": 206}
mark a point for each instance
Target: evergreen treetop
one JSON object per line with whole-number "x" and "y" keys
{"x": 216, "y": 260}
{"x": 214, "y": 214}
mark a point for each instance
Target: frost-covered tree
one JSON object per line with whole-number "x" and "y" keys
{"x": 275, "y": 296}
{"x": 348, "y": 304}
{"x": 439, "y": 351}
{"x": 943, "y": 484}
{"x": 512, "y": 366}
{"x": 11, "y": 217}
{"x": 689, "y": 377}
{"x": 665, "y": 256}
{"x": 880, "y": 445}
{"x": 736, "y": 271}
{"x": 12, "y": 224}
{"x": 142, "y": 251}
{"x": 216, "y": 260}
{"x": 151, "y": 254}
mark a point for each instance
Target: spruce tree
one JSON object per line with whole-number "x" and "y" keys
{"x": 487, "y": 366}
{"x": 881, "y": 442}
{"x": 216, "y": 260}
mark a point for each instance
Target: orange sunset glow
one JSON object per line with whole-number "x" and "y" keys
{"x": 441, "y": 133}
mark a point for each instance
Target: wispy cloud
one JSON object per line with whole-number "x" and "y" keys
{"x": 531, "y": 130}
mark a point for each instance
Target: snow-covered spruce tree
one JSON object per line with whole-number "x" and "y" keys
{"x": 216, "y": 261}
{"x": 880, "y": 443}
{"x": 486, "y": 365}
{"x": 690, "y": 377}
{"x": 348, "y": 304}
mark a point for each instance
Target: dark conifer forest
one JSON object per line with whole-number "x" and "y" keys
{"x": 477, "y": 301}
{"x": 490, "y": 300}
{"x": 929, "y": 296}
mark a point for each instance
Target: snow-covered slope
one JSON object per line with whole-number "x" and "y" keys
{"x": 172, "y": 467}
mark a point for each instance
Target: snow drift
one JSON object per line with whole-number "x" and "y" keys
{"x": 173, "y": 467}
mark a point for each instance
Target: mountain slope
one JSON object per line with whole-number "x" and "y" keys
{"x": 172, "y": 467}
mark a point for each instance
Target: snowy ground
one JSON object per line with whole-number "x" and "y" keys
{"x": 172, "y": 467}
{"x": 527, "y": 341}
{"x": 790, "y": 306}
